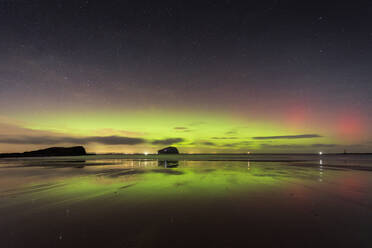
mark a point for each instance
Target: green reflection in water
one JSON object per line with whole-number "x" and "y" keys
{"x": 191, "y": 180}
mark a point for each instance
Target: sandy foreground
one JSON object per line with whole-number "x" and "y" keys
{"x": 178, "y": 201}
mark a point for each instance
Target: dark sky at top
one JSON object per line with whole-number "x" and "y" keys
{"x": 200, "y": 44}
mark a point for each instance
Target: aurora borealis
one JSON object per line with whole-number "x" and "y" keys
{"x": 211, "y": 77}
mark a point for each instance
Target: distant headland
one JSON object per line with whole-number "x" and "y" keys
{"x": 49, "y": 152}
{"x": 171, "y": 150}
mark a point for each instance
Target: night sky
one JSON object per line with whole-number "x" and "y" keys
{"x": 205, "y": 76}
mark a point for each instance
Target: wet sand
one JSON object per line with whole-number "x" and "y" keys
{"x": 194, "y": 201}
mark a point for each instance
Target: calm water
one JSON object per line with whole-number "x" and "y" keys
{"x": 186, "y": 201}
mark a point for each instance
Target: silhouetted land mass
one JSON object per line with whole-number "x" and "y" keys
{"x": 49, "y": 152}
{"x": 80, "y": 151}
{"x": 169, "y": 150}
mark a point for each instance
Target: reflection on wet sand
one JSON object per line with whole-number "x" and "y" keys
{"x": 168, "y": 163}
{"x": 115, "y": 202}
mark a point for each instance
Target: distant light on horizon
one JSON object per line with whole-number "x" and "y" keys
{"x": 320, "y": 153}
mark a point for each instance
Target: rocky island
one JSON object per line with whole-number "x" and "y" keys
{"x": 169, "y": 150}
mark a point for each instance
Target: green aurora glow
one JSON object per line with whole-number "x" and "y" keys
{"x": 193, "y": 132}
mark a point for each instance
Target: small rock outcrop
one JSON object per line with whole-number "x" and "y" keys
{"x": 169, "y": 150}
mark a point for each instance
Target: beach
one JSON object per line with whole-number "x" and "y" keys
{"x": 186, "y": 201}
